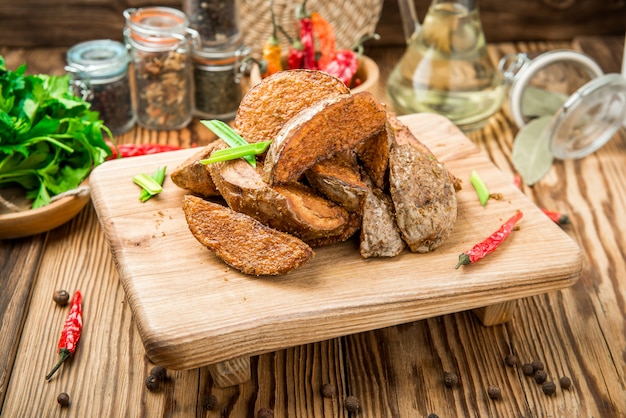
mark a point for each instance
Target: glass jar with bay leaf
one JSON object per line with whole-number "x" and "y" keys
{"x": 217, "y": 77}
{"x": 564, "y": 105}
{"x": 159, "y": 40}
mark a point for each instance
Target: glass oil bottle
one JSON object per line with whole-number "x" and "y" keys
{"x": 445, "y": 68}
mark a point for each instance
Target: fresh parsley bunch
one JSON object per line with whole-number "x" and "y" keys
{"x": 50, "y": 140}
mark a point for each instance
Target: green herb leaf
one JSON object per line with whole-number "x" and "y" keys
{"x": 228, "y": 135}
{"x": 148, "y": 184}
{"x": 532, "y": 157}
{"x": 537, "y": 102}
{"x": 237, "y": 152}
{"x": 158, "y": 176}
{"x": 50, "y": 140}
{"x": 481, "y": 188}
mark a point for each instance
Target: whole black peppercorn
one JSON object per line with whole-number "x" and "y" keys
{"x": 433, "y": 416}
{"x": 527, "y": 369}
{"x": 352, "y": 404}
{"x": 450, "y": 379}
{"x": 152, "y": 383}
{"x": 63, "y": 399}
{"x": 494, "y": 392}
{"x": 61, "y": 297}
{"x": 265, "y": 413}
{"x": 209, "y": 402}
{"x": 329, "y": 390}
{"x": 510, "y": 360}
{"x": 159, "y": 371}
{"x": 540, "y": 376}
{"x": 549, "y": 388}
{"x": 565, "y": 382}
{"x": 537, "y": 365}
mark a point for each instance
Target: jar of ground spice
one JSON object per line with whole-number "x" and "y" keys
{"x": 159, "y": 40}
{"x": 217, "y": 21}
{"x": 217, "y": 74}
{"x": 100, "y": 74}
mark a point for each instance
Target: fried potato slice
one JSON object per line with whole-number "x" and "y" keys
{"x": 243, "y": 242}
{"x": 333, "y": 125}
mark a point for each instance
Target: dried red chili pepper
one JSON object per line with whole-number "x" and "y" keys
{"x": 344, "y": 66}
{"x": 557, "y": 217}
{"x": 346, "y": 61}
{"x": 133, "y": 150}
{"x": 296, "y": 51}
{"x": 487, "y": 246}
{"x": 272, "y": 48}
{"x": 306, "y": 38}
{"x": 325, "y": 35}
{"x": 71, "y": 332}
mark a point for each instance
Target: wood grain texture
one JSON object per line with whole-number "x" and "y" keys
{"x": 397, "y": 371}
{"x": 42, "y": 23}
{"x": 335, "y": 294}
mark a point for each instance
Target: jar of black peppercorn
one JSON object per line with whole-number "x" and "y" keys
{"x": 159, "y": 40}
{"x": 100, "y": 75}
{"x": 217, "y": 75}
{"x": 217, "y": 21}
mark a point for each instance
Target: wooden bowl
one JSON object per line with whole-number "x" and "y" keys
{"x": 35, "y": 221}
{"x": 368, "y": 72}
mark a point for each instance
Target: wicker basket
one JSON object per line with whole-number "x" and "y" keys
{"x": 349, "y": 24}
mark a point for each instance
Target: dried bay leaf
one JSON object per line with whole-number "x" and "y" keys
{"x": 537, "y": 102}
{"x": 532, "y": 157}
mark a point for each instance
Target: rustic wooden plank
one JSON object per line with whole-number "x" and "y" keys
{"x": 41, "y": 23}
{"x": 19, "y": 260}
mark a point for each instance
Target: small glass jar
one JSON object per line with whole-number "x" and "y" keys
{"x": 100, "y": 74}
{"x": 217, "y": 81}
{"x": 588, "y": 106}
{"x": 159, "y": 40}
{"x": 216, "y": 21}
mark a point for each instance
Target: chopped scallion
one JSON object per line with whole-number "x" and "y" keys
{"x": 480, "y": 187}
{"x": 237, "y": 152}
{"x": 159, "y": 177}
{"x": 148, "y": 184}
{"x": 228, "y": 135}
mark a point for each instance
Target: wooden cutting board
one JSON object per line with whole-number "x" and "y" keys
{"x": 192, "y": 310}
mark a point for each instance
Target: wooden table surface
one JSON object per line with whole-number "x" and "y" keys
{"x": 579, "y": 332}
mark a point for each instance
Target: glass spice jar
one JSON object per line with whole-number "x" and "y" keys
{"x": 217, "y": 81}
{"x": 99, "y": 70}
{"x": 159, "y": 40}
{"x": 217, "y": 21}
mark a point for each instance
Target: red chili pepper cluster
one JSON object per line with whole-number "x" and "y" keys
{"x": 71, "y": 332}
{"x": 133, "y": 150}
{"x": 312, "y": 27}
{"x": 489, "y": 245}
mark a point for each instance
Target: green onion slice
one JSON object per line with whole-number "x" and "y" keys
{"x": 480, "y": 187}
{"x": 228, "y": 135}
{"x": 148, "y": 184}
{"x": 240, "y": 151}
{"x": 159, "y": 177}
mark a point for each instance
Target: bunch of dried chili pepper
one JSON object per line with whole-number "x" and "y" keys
{"x": 296, "y": 51}
{"x": 272, "y": 48}
{"x": 306, "y": 38}
{"x": 71, "y": 332}
{"x": 489, "y": 245}
{"x": 325, "y": 34}
{"x": 346, "y": 62}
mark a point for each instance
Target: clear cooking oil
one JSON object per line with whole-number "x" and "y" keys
{"x": 446, "y": 69}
